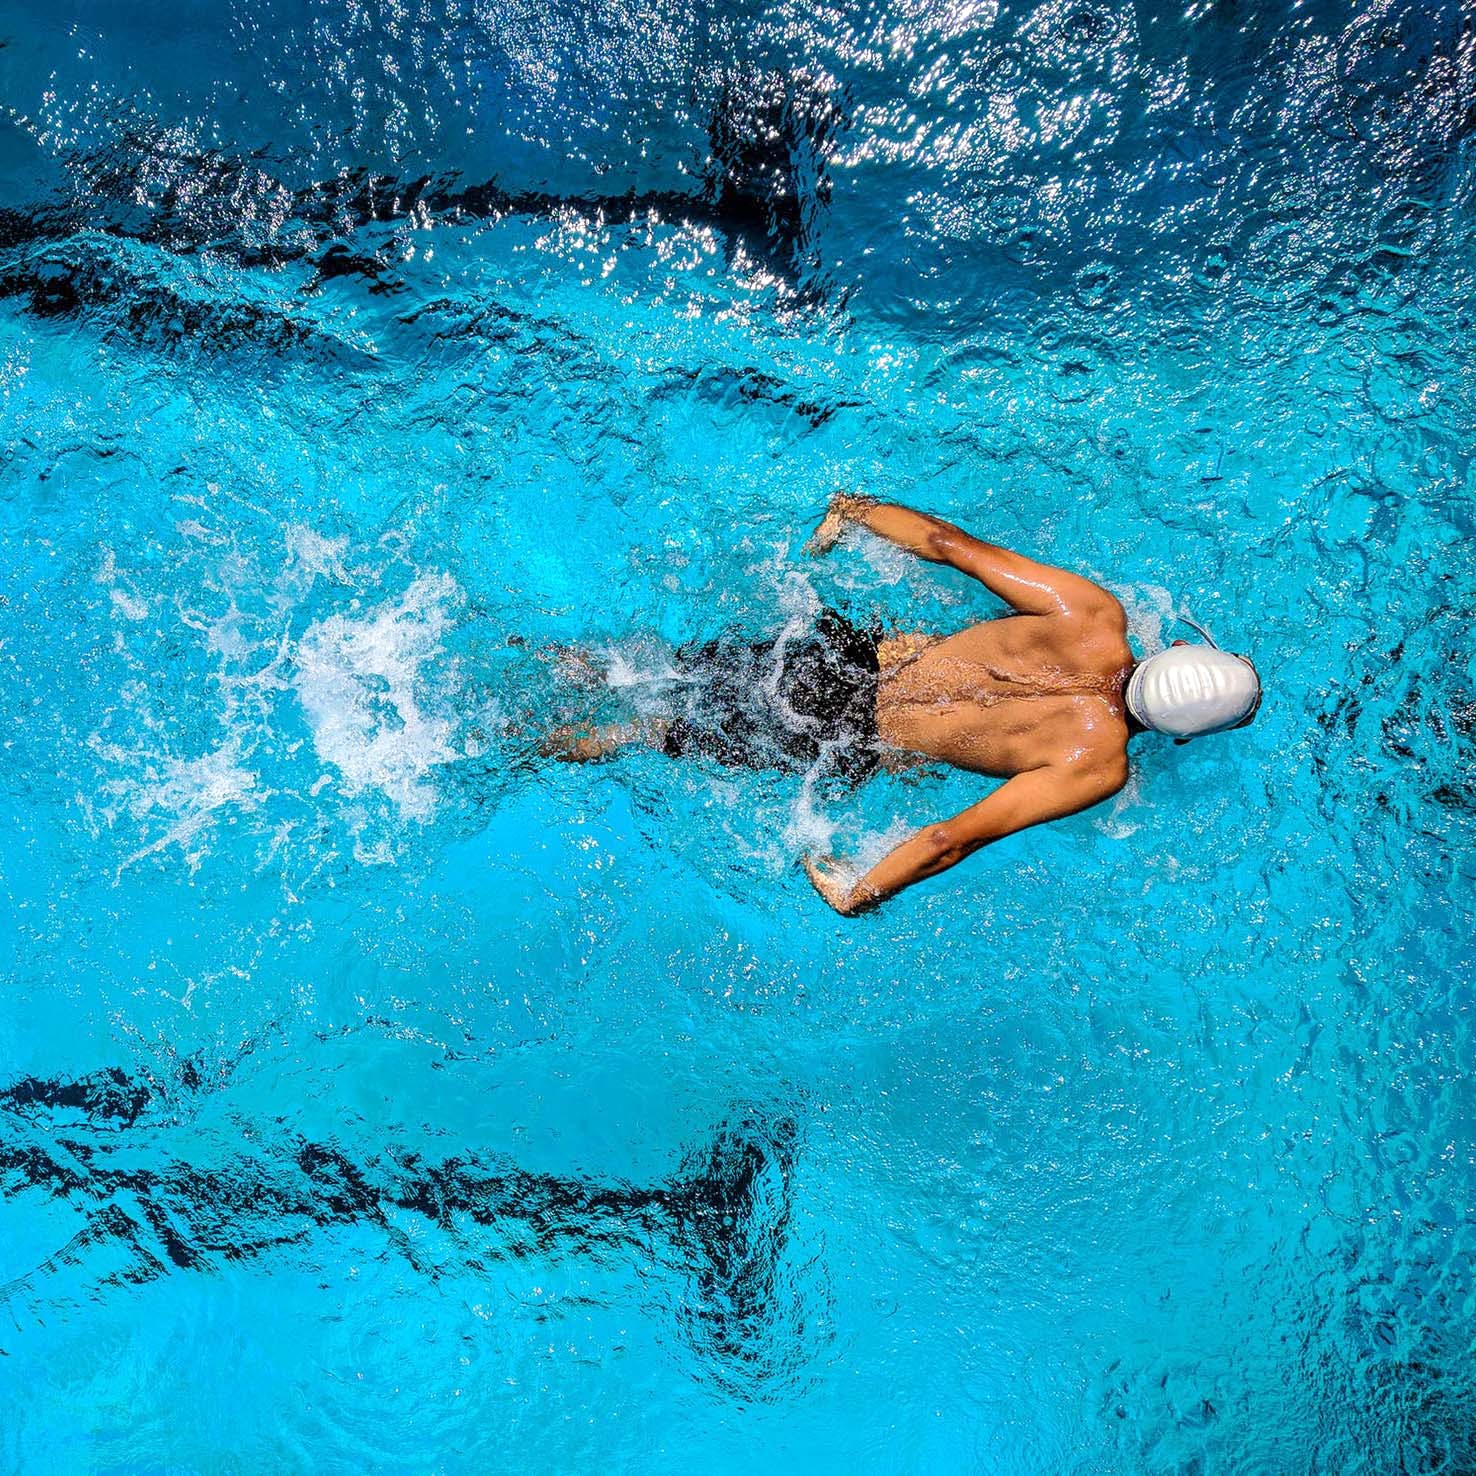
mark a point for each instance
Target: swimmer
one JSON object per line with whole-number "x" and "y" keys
{"x": 1046, "y": 698}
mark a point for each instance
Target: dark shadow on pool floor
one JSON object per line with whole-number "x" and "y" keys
{"x": 721, "y": 1223}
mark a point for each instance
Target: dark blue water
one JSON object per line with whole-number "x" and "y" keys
{"x": 375, "y": 1095}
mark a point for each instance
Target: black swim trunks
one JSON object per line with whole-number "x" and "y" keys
{"x": 802, "y": 700}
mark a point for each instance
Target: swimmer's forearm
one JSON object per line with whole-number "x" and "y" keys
{"x": 1031, "y": 798}
{"x": 919, "y": 533}
{"x": 1031, "y": 587}
{"x": 926, "y": 854}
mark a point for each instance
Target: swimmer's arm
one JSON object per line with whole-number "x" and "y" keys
{"x": 1028, "y": 799}
{"x": 1030, "y": 587}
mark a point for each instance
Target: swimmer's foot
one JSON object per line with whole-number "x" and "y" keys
{"x": 578, "y": 667}
{"x": 580, "y": 743}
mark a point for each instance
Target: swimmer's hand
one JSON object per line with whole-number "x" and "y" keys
{"x": 843, "y": 509}
{"x": 835, "y": 883}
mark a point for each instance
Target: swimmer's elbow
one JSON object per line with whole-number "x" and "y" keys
{"x": 941, "y": 545}
{"x": 944, "y": 845}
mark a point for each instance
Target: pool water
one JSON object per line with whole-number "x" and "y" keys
{"x": 377, "y": 1095}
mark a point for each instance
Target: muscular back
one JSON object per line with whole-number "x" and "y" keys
{"x": 1012, "y": 694}
{"x": 1036, "y": 696}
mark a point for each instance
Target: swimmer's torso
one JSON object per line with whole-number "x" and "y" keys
{"x": 1007, "y": 695}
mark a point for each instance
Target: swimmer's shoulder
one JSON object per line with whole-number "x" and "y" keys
{"x": 1096, "y": 609}
{"x": 1097, "y": 740}
{"x": 1103, "y": 764}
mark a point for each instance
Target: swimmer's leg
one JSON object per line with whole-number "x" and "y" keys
{"x": 582, "y": 743}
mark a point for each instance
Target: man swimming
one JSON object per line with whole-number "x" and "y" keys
{"x": 1046, "y": 697}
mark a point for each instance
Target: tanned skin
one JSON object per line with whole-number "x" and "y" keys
{"x": 1034, "y": 697}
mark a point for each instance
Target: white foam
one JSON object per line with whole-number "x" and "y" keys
{"x": 312, "y": 555}
{"x": 1149, "y": 607}
{"x": 190, "y": 792}
{"x": 809, "y": 831}
{"x": 226, "y": 638}
{"x": 363, "y": 688}
{"x": 1115, "y": 824}
{"x": 637, "y": 663}
{"x": 797, "y": 598}
{"x": 130, "y": 607}
{"x": 127, "y": 604}
{"x": 885, "y": 562}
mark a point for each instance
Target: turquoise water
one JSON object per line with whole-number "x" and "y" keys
{"x": 375, "y": 1095}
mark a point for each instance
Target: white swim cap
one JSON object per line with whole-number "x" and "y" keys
{"x": 1190, "y": 690}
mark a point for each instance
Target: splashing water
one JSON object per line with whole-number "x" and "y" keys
{"x": 357, "y": 681}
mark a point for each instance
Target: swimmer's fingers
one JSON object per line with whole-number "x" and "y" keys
{"x": 826, "y": 877}
{"x": 843, "y": 507}
{"x": 827, "y": 535}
